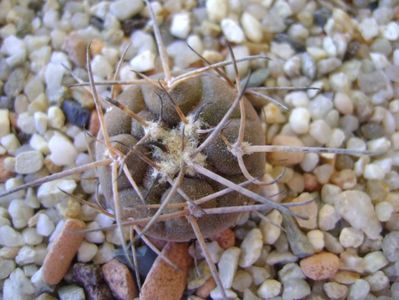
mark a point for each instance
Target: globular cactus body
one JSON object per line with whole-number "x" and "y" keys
{"x": 170, "y": 143}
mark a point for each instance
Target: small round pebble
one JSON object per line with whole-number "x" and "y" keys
{"x": 62, "y": 150}
{"x": 87, "y": 251}
{"x": 335, "y": 290}
{"x": 180, "y": 26}
{"x": 269, "y": 288}
{"x": 299, "y": 120}
{"x": 296, "y": 289}
{"x": 227, "y": 266}
{"x": 232, "y": 31}
{"x": 28, "y": 162}
{"x": 359, "y": 290}
{"x": 316, "y": 238}
{"x": 320, "y": 266}
{"x": 351, "y": 237}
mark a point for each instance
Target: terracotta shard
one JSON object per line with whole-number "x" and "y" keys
{"x": 119, "y": 280}
{"x": 62, "y": 251}
{"x": 163, "y": 282}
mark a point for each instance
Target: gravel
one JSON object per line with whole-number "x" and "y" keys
{"x": 350, "y": 56}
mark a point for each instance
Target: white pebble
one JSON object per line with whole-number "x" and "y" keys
{"x": 96, "y": 237}
{"x": 316, "y": 238}
{"x": 37, "y": 142}
{"x": 41, "y": 121}
{"x": 103, "y": 220}
{"x": 252, "y": 27}
{"x": 4, "y": 122}
{"x": 31, "y": 237}
{"x": 53, "y": 78}
{"x": 295, "y": 289}
{"x": 269, "y": 289}
{"x": 217, "y": 9}
{"x": 232, "y": 31}
{"x": 26, "y": 255}
{"x": 270, "y": 228}
{"x": 351, "y": 237}
{"x": 299, "y": 120}
{"x": 44, "y": 225}
{"x": 51, "y": 193}
{"x": 104, "y": 254}
{"x": 391, "y": 31}
{"x": 15, "y": 49}
{"x": 239, "y": 51}
{"x": 124, "y": 9}
{"x": 377, "y": 281}
{"x": 259, "y": 274}
{"x": 320, "y": 106}
{"x": 217, "y": 294}
{"x": 373, "y": 172}
{"x": 143, "y": 62}
{"x": 359, "y": 290}
{"x": 26, "y": 123}
{"x": 18, "y": 286}
{"x": 356, "y": 208}
{"x": 309, "y": 161}
{"x": 180, "y": 26}
{"x": 10, "y": 142}
{"x": 28, "y": 162}
{"x": 101, "y": 66}
{"x": 71, "y": 292}
{"x": 227, "y": 266}
{"x": 251, "y": 248}
{"x": 320, "y": 131}
{"x": 56, "y": 118}
{"x": 9, "y": 237}
{"x": 374, "y": 261}
{"x": 335, "y": 290}
{"x": 343, "y": 103}
{"x": 369, "y": 28}
{"x": 384, "y": 211}
{"x": 62, "y": 151}
{"x": 20, "y": 213}
{"x": 297, "y": 99}
{"x": 6, "y": 267}
{"x": 290, "y": 271}
{"x": 87, "y": 251}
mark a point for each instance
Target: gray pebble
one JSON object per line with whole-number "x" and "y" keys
{"x": 328, "y": 65}
{"x": 308, "y": 66}
{"x": 372, "y": 131}
{"x": 381, "y": 45}
{"x": 321, "y": 16}
{"x": 295, "y": 289}
{"x": 299, "y": 243}
{"x": 390, "y": 246}
{"x": 15, "y": 82}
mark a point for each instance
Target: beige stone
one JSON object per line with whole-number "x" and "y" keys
{"x": 320, "y": 266}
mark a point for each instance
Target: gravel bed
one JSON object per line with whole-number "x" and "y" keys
{"x": 348, "y": 51}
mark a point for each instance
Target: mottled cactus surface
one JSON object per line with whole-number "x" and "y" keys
{"x": 170, "y": 143}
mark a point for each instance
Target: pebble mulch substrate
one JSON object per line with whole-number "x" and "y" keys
{"x": 349, "y": 246}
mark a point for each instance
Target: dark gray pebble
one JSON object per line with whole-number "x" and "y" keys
{"x": 76, "y": 114}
